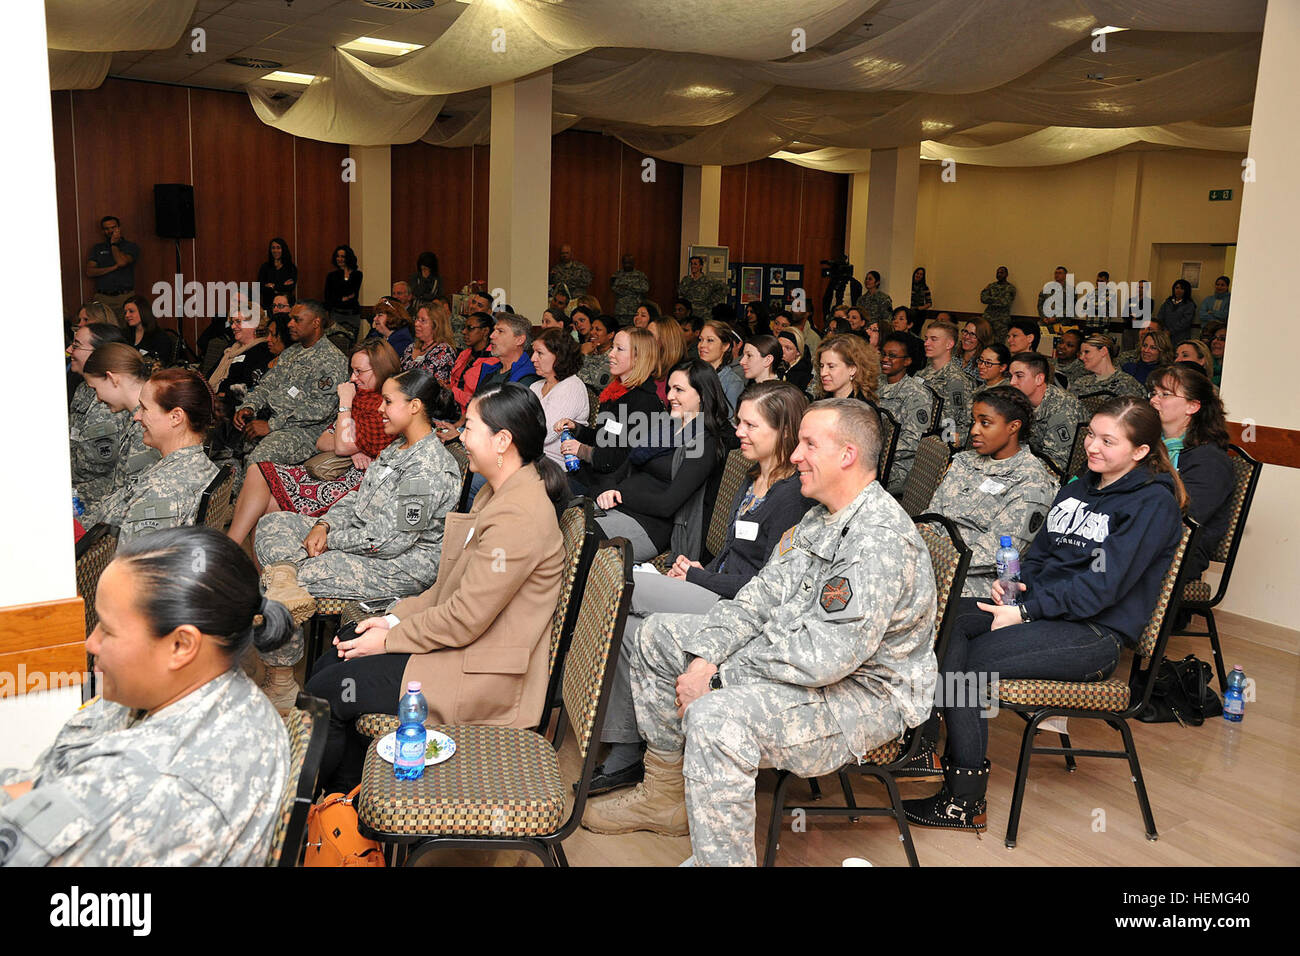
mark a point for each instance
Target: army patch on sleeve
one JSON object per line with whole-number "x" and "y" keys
{"x": 325, "y": 384}
{"x": 786, "y": 542}
{"x": 923, "y": 416}
{"x": 1036, "y": 521}
{"x": 836, "y": 595}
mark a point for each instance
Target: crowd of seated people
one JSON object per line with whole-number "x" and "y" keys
{"x": 348, "y": 492}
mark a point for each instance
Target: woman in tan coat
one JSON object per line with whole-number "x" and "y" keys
{"x": 478, "y": 640}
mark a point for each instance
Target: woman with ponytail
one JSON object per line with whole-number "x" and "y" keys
{"x": 1088, "y": 584}
{"x": 182, "y": 761}
{"x": 174, "y": 412}
{"x": 478, "y": 640}
{"x": 117, "y": 374}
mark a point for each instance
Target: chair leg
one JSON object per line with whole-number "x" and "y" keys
{"x": 557, "y": 850}
{"x": 816, "y": 788}
{"x": 1218, "y": 651}
{"x": 560, "y": 724}
{"x": 1022, "y": 775}
{"x": 904, "y": 831}
{"x": 1135, "y": 770}
{"x": 847, "y": 787}
{"x": 1069, "y": 758}
{"x": 783, "y": 778}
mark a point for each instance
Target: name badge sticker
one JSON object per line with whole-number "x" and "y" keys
{"x": 293, "y": 391}
{"x": 613, "y": 426}
{"x": 747, "y": 530}
{"x": 991, "y": 487}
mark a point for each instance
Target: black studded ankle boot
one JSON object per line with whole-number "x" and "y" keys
{"x": 959, "y": 805}
{"x": 925, "y": 762}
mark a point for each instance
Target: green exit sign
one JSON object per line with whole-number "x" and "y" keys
{"x": 1220, "y": 195}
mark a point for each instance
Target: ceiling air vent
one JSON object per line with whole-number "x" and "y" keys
{"x": 401, "y": 4}
{"x": 253, "y": 63}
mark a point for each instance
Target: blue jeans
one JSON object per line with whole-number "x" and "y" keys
{"x": 1045, "y": 650}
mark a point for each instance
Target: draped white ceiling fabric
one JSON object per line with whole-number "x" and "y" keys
{"x": 730, "y": 81}
{"x": 83, "y": 35}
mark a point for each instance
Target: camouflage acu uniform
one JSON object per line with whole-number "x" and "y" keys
{"x": 134, "y": 457}
{"x": 1117, "y": 383}
{"x": 876, "y": 306}
{"x": 911, "y": 403}
{"x": 630, "y": 288}
{"x": 301, "y": 393}
{"x": 595, "y": 370}
{"x": 197, "y": 783}
{"x": 95, "y": 433}
{"x": 702, "y": 293}
{"x": 385, "y": 538}
{"x": 951, "y": 383}
{"x": 824, "y": 655}
{"x": 166, "y": 495}
{"x": 1071, "y": 370}
{"x": 997, "y": 298}
{"x": 1056, "y": 420}
{"x": 986, "y": 499}
{"x": 573, "y": 275}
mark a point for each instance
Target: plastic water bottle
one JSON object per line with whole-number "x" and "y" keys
{"x": 1234, "y": 704}
{"x": 1008, "y": 562}
{"x": 78, "y": 509}
{"x": 571, "y": 462}
{"x": 412, "y": 738}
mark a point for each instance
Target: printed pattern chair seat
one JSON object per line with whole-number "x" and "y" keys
{"x": 1079, "y": 695}
{"x": 1196, "y": 591}
{"x": 501, "y": 782}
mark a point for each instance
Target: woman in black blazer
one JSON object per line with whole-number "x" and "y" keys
{"x": 629, "y": 405}
{"x": 767, "y": 505}
{"x": 1193, "y": 420}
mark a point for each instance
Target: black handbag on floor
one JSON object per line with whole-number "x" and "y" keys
{"x": 1182, "y": 693}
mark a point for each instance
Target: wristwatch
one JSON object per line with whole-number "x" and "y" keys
{"x": 1024, "y": 615}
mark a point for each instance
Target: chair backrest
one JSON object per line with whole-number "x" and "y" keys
{"x": 888, "y": 445}
{"x": 308, "y": 726}
{"x": 1061, "y": 380}
{"x": 1078, "y": 454}
{"x": 1048, "y": 464}
{"x": 1246, "y": 471}
{"x": 950, "y": 559}
{"x": 593, "y": 405}
{"x": 458, "y": 452}
{"x": 94, "y": 552}
{"x": 733, "y": 477}
{"x": 578, "y": 526}
{"x": 214, "y": 506}
{"x": 936, "y": 413}
{"x": 932, "y": 456}
{"x": 1093, "y": 401}
{"x": 597, "y": 636}
{"x": 1155, "y": 634}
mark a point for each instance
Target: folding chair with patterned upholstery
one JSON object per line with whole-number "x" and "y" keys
{"x": 578, "y": 526}
{"x": 593, "y": 405}
{"x": 215, "y": 507}
{"x": 1078, "y": 454}
{"x": 936, "y": 413}
{"x": 1109, "y": 700}
{"x": 932, "y": 457}
{"x": 949, "y": 558}
{"x": 502, "y": 789}
{"x": 466, "y": 476}
{"x": 888, "y": 444}
{"x": 1196, "y": 594}
{"x": 1048, "y": 464}
{"x": 308, "y": 726}
{"x": 94, "y": 552}
{"x": 1061, "y": 380}
{"x": 1093, "y": 401}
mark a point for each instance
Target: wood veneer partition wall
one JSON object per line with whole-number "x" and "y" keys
{"x": 774, "y": 211}
{"x": 251, "y": 183}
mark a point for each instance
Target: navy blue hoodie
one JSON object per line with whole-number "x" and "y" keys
{"x": 1101, "y": 553}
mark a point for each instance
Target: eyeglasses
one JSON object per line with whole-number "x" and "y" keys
{"x": 986, "y": 362}
{"x": 82, "y": 348}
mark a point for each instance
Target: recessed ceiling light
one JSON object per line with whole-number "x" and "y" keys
{"x": 1098, "y": 31}
{"x": 254, "y": 62}
{"x": 400, "y": 4}
{"x": 391, "y": 47}
{"x": 283, "y": 76}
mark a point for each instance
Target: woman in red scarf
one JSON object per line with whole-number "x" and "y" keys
{"x": 626, "y": 418}
{"x": 358, "y": 433}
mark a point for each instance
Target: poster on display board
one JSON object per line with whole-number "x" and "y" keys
{"x": 716, "y": 260}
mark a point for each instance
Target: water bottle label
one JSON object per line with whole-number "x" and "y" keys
{"x": 1234, "y": 705}
{"x": 410, "y": 753}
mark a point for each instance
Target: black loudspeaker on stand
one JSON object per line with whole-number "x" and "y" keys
{"x": 173, "y": 208}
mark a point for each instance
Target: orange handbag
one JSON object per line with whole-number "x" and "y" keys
{"x": 333, "y": 838}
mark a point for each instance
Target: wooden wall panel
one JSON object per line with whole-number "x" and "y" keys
{"x": 321, "y": 218}
{"x": 72, "y": 255}
{"x": 650, "y": 224}
{"x": 774, "y": 211}
{"x": 434, "y": 209}
{"x": 128, "y": 137}
{"x": 479, "y": 247}
{"x": 585, "y": 200}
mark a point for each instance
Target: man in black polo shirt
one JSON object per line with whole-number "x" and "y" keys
{"x": 112, "y": 266}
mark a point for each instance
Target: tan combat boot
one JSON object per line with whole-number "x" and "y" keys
{"x": 281, "y": 583}
{"x": 657, "y": 803}
{"x": 281, "y": 687}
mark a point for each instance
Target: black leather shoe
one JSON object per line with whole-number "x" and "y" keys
{"x": 602, "y": 782}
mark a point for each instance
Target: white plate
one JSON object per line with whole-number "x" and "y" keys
{"x": 446, "y": 747}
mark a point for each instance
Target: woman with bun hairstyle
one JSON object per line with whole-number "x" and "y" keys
{"x": 762, "y": 360}
{"x": 181, "y": 761}
{"x": 176, "y": 410}
{"x": 479, "y": 639}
